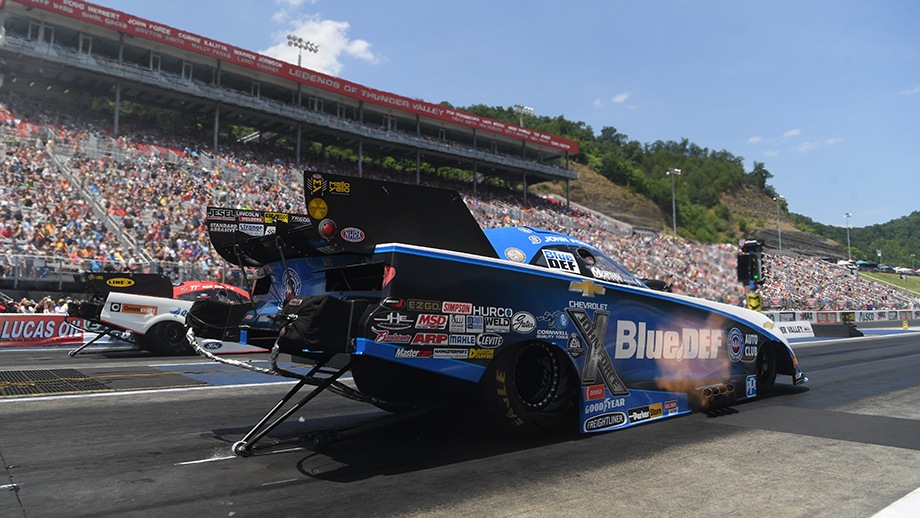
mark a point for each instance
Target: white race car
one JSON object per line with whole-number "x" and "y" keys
{"x": 149, "y": 310}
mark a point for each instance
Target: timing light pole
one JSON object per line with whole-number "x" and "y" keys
{"x": 847, "y": 215}
{"x": 779, "y": 231}
{"x": 672, "y": 173}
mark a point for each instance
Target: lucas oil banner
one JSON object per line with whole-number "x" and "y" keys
{"x": 25, "y": 330}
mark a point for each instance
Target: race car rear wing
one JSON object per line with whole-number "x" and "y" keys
{"x": 100, "y": 284}
{"x": 348, "y": 215}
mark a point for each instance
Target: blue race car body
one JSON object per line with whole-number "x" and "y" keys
{"x": 546, "y": 330}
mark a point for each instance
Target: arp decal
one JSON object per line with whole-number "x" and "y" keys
{"x": 593, "y": 333}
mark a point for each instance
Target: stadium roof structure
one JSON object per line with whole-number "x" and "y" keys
{"x": 79, "y": 47}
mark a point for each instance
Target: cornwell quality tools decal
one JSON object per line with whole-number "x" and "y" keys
{"x": 593, "y": 333}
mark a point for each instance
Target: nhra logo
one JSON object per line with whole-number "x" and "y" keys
{"x": 352, "y": 234}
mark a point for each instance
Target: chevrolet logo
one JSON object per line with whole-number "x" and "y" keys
{"x": 587, "y": 288}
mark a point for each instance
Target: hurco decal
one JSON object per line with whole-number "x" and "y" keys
{"x": 635, "y": 340}
{"x": 120, "y": 282}
{"x": 596, "y": 357}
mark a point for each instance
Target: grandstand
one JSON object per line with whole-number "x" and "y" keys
{"x": 88, "y": 190}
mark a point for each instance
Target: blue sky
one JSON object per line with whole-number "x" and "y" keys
{"x": 826, "y": 93}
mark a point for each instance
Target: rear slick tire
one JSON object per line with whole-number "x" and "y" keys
{"x": 168, "y": 339}
{"x": 529, "y": 390}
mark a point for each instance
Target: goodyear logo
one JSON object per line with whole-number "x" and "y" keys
{"x": 120, "y": 282}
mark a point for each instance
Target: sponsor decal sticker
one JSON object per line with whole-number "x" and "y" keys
{"x": 645, "y": 413}
{"x": 605, "y": 421}
{"x": 431, "y": 321}
{"x": 457, "y": 308}
{"x": 735, "y": 344}
{"x": 423, "y": 305}
{"x": 352, "y": 234}
{"x": 489, "y": 340}
{"x": 523, "y": 322}
{"x": 455, "y": 354}
{"x": 670, "y": 407}
{"x": 222, "y": 213}
{"x": 272, "y": 217}
{"x": 559, "y": 260}
{"x": 515, "y": 255}
{"x": 393, "y": 321}
{"x": 587, "y": 288}
{"x": 594, "y": 392}
{"x": 636, "y": 340}
{"x": 597, "y": 358}
{"x": 253, "y": 229}
{"x": 412, "y": 353}
{"x": 317, "y": 208}
{"x": 481, "y": 354}
{"x": 750, "y": 386}
{"x": 120, "y": 282}
{"x": 226, "y": 228}
{"x": 138, "y": 309}
{"x": 462, "y": 341}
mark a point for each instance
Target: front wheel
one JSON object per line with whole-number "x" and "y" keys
{"x": 766, "y": 369}
{"x": 530, "y": 390}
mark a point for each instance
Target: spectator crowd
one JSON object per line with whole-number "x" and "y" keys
{"x": 76, "y": 198}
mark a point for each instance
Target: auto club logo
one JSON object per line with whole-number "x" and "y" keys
{"x": 735, "y": 344}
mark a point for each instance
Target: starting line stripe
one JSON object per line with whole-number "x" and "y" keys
{"x": 906, "y": 507}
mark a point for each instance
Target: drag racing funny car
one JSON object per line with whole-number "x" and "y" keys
{"x": 544, "y": 331}
{"x": 148, "y": 310}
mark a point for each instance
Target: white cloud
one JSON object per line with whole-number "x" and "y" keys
{"x": 621, "y": 98}
{"x": 330, "y": 35}
{"x": 598, "y": 103}
{"x": 792, "y": 133}
{"x": 771, "y": 152}
{"x": 808, "y": 145}
{"x": 755, "y": 140}
{"x": 912, "y": 91}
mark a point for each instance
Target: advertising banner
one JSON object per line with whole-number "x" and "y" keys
{"x": 25, "y": 330}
